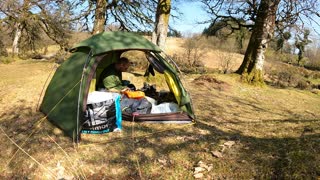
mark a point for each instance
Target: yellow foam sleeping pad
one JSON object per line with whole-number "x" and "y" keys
{"x": 172, "y": 86}
{"x": 92, "y": 85}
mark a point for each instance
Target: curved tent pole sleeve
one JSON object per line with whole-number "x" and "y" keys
{"x": 172, "y": 61}
{"x": 167, "y": 58}
{"x": 79, "y": 95}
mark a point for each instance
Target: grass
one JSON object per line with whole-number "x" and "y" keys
{"x": 275, "y": 131}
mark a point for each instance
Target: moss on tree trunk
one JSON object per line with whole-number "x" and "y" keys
{"x": 255, "y": 77}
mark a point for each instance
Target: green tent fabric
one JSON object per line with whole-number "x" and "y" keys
{"x": 109, "y": 41}
{"x": 65, "y": 99}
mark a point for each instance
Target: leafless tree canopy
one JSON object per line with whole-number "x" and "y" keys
{"x": 125, "y": 14}
{"x": 128, "y": 15}
{"x": 243, "y": 13}
{"x": 27, "y": 20}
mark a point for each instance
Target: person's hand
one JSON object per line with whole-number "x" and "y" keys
{"x": 124, "y": 90}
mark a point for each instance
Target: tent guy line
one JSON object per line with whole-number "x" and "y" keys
{"x": 37, "y": 125}
{"x": 20, "y": 148}
{"x": 51, "y": 71}
{"x": 82, "y": 174}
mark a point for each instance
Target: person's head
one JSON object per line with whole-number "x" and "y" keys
{"x": 122, "y": 64}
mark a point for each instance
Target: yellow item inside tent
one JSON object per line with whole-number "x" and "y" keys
{"x": 173, "y": 86}
{"x": 134, "y": 94}
{"x": 92, "y": 85}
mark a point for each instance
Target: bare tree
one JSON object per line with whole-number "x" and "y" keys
{"x": 126, "y": 15}
{"x": 100, "y": 16}
{"x": 29, "y": 19}
{"x": 160, "y": 32}
{"x": 261, "y": 17}
{"x": 252, "y": 65}
{"x": 139, "y": 15}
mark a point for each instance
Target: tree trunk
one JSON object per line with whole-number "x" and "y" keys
{"x": 17, "y": 36}
{"x": 251, "y": 68}
{"x": 100, "y": 17}
{"x": 160, "y": 32}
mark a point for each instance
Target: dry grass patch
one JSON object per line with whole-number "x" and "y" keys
{"x": 274, "y": 134}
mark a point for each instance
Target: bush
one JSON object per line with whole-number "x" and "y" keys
{"x": 197, "y": 68}
{"x": 303, "y": 84}
{"x": 226, "y": 62}
{"x": 313, "y": 64}
{"x": 284, "y": 75}
{"x": 6, "y": 60}
{"x": 280, "y": 57}
{"x": 287, "y": 79}
{"x": 314, "y": 75}
{"x": 3, "y": 51}
{"x": 194, "y": 50}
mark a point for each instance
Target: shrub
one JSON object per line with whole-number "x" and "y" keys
{"x": 190, "y": 60}
{"x": 196, "y": 68}
{"x": 313, "y": 64}
{"x": 280, "y": 57}
{"x": 284, "y": 75}
{"x": 314, "y": 75}
{"x": 6, "y": 60}
{"x": 226, "y": 62}
{"x": 303, "y": 84}
{"x": 3, "y": 51}
{"x": 194, "y": 50}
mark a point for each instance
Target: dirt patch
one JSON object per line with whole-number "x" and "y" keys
{"x": 212, "y": 82}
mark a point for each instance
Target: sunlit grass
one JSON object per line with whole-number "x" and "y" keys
{"x": 275, "y": 131}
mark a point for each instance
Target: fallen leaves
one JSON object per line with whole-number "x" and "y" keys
{"x": 165, "y": 162}
{"x": 229, "y": 143}
{"x": 201, "y": 168}
{"x": 216, "y": 154}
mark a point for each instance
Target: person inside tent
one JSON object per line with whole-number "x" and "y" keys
{"x": 111, "y": 80}
{"x": 111, "y": 77}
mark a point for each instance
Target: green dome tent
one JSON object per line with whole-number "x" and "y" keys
{"x": 65, "y": 99}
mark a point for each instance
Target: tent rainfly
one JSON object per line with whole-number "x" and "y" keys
{"x": 65, "y": 99}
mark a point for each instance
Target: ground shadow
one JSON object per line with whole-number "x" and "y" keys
{"x": 160, "y": 151}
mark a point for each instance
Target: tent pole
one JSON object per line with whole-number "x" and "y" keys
{"x": 78, "y": 135}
